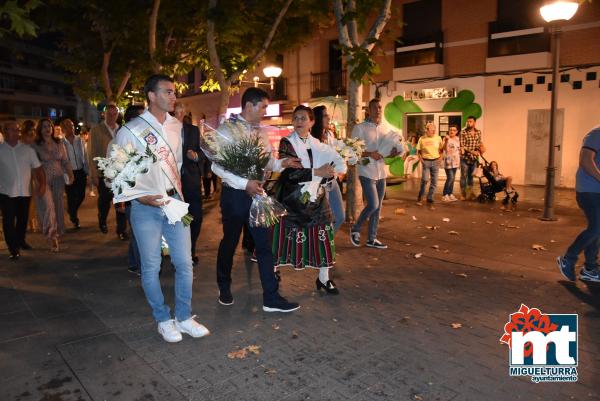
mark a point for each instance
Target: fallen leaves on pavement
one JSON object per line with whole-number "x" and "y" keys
{"x": 400, "y": 210}
{"x": 244, "y": 352}
{"x": 446, "y": 220}
{"x": 456, "y": 325}
{"x": 453, "y": 232}
{"x": 418, "y": 255}
{"x": 538, "y": 247}
{"x": 462, "y": 275}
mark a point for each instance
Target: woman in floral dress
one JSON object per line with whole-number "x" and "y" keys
{"x": 304, "y": 237}
{"x": 50, "y": 207}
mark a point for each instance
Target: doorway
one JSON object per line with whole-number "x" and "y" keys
{"x": 538, "y": 129}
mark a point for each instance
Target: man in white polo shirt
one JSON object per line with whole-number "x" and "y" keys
{"x": 17, "y": 163}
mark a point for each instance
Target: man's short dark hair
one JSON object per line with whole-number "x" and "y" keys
{"x": 253, "y": 95}
{"x": 151, "y": 84}
{"x": 472, "y": 118}
{"x": 374, "y": 100}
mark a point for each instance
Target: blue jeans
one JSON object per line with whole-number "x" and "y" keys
{"x": 466, "y": 176}
{"x": 336, "y": 203}
{"x": 449, "y": 185}
{"x": 149, "y": 225}
{"x": 133, "y": 253}
{"x": 373, "y": 191}
{"x": 431, "y": 169}
{"x": 588, "y": 240}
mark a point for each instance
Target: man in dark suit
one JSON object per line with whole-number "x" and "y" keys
{"x": 101, "y": 137}
{"x": 191, "y": 175}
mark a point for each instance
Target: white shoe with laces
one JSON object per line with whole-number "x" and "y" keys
{"x": 445, "y": 198}
{"x": 168, "y": 331}
{"x": 192, "y": 328}
{"x": 452, "y": 198}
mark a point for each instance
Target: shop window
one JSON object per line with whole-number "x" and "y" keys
{"x": 590, "y": 76}
{"x": 565, "y": 78}
{"x": 541, "y": 79}
{"x": 507, "y": 89}
{"x": 529, "y": 88}
{"x": 577, "y": 85}
{"x": 518, "y": 81}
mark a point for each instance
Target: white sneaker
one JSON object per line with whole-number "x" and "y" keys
{"x": 452, "y": 198}
{"x": 168, "y": 331}
{"x": 445, "y": 198}
{"x": 191, "y": 327}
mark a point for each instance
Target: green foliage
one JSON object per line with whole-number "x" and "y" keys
{"x": 394, "y": 111}
{"x": 242, "y": 27}
{"x": 17, "y": 18}
{"x": 465, "y": 103}
{"x": 363, "y": 66}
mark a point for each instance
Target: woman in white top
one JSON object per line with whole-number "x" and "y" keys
{"x": 321, "y": 132}
{"x": 451, "y": 162}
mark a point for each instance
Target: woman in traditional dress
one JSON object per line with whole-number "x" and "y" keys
{"x": 320, "y": 130}
{"x": 53, "y": 155}
{"x": 304, "y": 237}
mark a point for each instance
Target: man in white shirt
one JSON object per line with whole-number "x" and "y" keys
{"x": 18, "y": 162}
{"x": 236, "y": 198}
{"x": 372, "y": 176}
{"x": 148, "y": 221}
{"x": 78, "y": 158}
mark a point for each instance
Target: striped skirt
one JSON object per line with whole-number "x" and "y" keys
{"x": 302, "y": 247}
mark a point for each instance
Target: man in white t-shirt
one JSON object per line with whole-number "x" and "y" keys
{"x": 18, "y": 162}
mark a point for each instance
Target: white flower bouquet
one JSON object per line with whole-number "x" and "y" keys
{"x": 131, "y": 174}
{"x": 350, "y": 149}
{"x": 239, "y": 149}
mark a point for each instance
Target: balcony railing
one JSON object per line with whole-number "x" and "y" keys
{"x": 421, "y": 51}
{"x": 329, "y": 83}
{"x": 505, "y": 40}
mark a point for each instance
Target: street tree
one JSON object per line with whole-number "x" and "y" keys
{"x": 15, "y": 18}
{"x": 358, "y": 51}
{"x": 239, "y": 34}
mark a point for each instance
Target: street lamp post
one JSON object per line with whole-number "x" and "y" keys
{"x": 554, "y": 12}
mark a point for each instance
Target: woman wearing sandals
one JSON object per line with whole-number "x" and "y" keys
{"x": 304, "y": 237}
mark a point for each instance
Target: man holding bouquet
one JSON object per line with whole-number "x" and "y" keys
{"x": 236, "y": 199}
{"x": 157, "y": 131}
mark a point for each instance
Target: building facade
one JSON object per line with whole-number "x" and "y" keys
{"x": 443, "y": 60}
{"x": 32, "y": 87}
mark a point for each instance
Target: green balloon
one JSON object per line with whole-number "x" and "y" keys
{"x": 474, "y": 109}
{"x": 463, "y": 99}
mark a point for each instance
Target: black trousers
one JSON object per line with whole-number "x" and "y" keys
{"x": 235, "y": 208}
{"x": 207, "y": 181}
{"x": 105, "y": 197}
{"x": 15, "y": 212}
{"x": 76, "y": 194}
{"x": 194, "y": 198}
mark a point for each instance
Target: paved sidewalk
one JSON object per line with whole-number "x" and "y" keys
{"x": 77, "y": 327}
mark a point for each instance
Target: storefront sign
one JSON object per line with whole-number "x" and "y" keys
{"x": 434, "y": 93}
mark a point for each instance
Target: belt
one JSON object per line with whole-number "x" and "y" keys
{"x": 171, "y": 192}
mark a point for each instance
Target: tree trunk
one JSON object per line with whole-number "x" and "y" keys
{"x": 152, "y": 35}
{"x": 223, "y": 100}
{"x": 108, "y": 93}
{"x": 354, "y": 194}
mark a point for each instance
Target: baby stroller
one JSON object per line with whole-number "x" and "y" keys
{"x": 489, "y": 186}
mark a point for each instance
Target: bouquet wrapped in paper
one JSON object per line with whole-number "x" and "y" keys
{"x": 390, "y": 141}
{"x": 240, "y": 150}
{"x": 350, "y": 149}
{"x": 131, "y": 174}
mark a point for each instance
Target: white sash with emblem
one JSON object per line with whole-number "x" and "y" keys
{"x": 152, "y": 137}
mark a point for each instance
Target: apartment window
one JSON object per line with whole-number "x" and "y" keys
{"x": 517, "y": 30}
{"x": 422, "y": 39}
